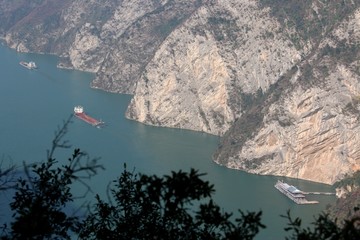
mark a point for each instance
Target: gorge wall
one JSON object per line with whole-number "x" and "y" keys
{"x": 277, "y": 80}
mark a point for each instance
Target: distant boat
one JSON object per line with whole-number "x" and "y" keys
{"x": 28, "y": 65}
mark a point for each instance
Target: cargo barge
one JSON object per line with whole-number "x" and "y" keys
{"x": 293, "y": 193}
{"x": 79, "y": 113}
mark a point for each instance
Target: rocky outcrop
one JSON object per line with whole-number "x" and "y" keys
{"x": 314, "y": 139}
{"x": 348, "y": 198}
{"x": 277, "y": 80}
{"x": 191, "y": 83}
{"x": 343, "y": 192}
{"x": 312, "y": 131}
{"x": 224, "y": 48}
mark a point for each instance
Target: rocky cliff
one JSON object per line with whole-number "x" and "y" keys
{"x": 308, "y": 123}
{"x": 278, "y": 80}
{"x": 347, "y": 204}
{"x": 223, "y": 50}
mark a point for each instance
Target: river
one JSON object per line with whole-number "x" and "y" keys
{"x": 34, "y": 103}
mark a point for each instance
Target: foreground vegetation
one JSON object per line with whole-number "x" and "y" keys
{"x": 175, "y": 206}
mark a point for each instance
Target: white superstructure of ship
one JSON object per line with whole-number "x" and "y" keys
{"x": 78, "y": 109}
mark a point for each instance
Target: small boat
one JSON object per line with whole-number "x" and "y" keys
{"x": 29, "y": 65}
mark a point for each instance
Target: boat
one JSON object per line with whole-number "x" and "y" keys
{"x": 293, "y": 193}
{"x": 28, "y": 65}
{"x": 79, "y": 113}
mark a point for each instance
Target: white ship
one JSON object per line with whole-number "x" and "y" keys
{"x": 28, "y": 65}
{"x": 293, "y": 193}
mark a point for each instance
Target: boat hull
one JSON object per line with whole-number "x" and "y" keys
{"x": 90, "y": 120}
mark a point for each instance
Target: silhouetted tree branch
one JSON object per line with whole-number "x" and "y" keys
{"x": 7, "y": 176}
{"x": 43, "y": 193}
{"x": 169, "y": 207}
{"x": 323, "y": 229}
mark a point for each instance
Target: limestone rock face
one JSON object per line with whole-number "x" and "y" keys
{"x": 312, "y": 132}
{"x": 223, "y": 48}
{"x": 82, "y": 52}
{"x": 185, "y": 86}
{"x": 125, "y": 34}
{"x": 319, "y": 142}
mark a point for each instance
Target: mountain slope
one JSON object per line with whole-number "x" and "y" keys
{"x": 311, "y": 129}
{"x": 278, "y": 80}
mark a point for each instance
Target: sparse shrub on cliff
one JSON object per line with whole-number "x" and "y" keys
{"x": 348, "y": 204}
{"x": 353, "y": 179}
{"x": 310, "y": 19}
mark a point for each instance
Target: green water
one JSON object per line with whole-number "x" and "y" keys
{"x": 34, "y": 103}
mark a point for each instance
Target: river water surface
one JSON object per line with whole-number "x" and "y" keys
{"x": 34, "y": 103}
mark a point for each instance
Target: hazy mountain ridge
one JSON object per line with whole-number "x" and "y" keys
{"x": 278, "y": 80}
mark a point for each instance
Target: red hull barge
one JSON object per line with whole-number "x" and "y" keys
{"x": 79, "y": 113}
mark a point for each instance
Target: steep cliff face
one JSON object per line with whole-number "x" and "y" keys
{"x": 309, "y": 136}
{"x": 190, "y": 80}
{"x": 312, "y": 130}
{"x": 197, "y": 76}
{"x": 278, "y": 80}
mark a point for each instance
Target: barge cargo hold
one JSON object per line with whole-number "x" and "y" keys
{"x": 79, "y": 113}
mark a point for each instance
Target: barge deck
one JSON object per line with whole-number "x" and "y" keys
{"x": 79, "y": 113}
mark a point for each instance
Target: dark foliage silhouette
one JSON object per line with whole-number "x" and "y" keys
{"x": 178, "y": 206}
{"x": 43, "y": 193}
